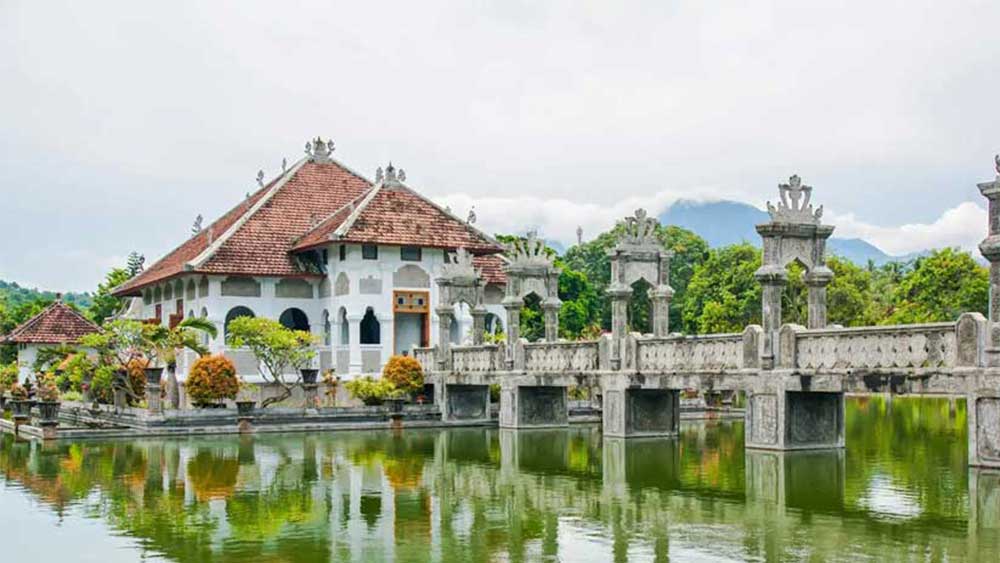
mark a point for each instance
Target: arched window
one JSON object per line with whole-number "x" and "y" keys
{"x": 235, "y": 313}
{"x": 345, "y": 327}
{"x": 294, "y": 319}
{"x": 493, "y": 324}
{"x": 371, "y": 330}
{"x": 326, "y": 328}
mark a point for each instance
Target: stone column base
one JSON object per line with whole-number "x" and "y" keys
{"x": 636, "y": 413}
{"x": 245, "y": 425}
{"x": 777, "y": 419}
{"x": 465, "y": 403}
{"x": 529, "y": 406}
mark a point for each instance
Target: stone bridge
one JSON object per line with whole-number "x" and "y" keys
{"x": 794, "y": 377}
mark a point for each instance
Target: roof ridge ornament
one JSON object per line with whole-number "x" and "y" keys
{"x": 260, "y": 178}
{"x": 392, "y": 176}
{"x": 320, "y": 150}
{"x": 640, "y": 230}
{"x": 795, "y": 206}
{"x": 529, "y": 251}
{"x": 996, "y": 164}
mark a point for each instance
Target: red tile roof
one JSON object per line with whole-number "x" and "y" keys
{"x": 307, "y": 207}
{"x": 56, "y": 324}
{"x": 491, "y": 267}
{"x": 393, "y": 214}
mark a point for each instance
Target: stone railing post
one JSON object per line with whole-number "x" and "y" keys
{"x": 787, "y": 349}
{"x": 753, "y": 336}
{"x": 971, "y": 333}
{"x": 446, "y": 316}
{"x": 517, "y": 354}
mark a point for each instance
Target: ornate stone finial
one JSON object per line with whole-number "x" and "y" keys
{"x": 402, "y": 175}
{"x": 472, "y": 215}
{"x": 640, "y": 230}
{"x": 393, "y": 176}
{"x": 196, "y": 227}
{"x": 379, "y": 176}
{"x": 579, "y": 235}
{"x": 319, "y": 150}
{"x": 794, "y": 206}
{"x": 996, "y": 164}
{"x": 447, "y": 209}
{"x": 529, "y": 251}
{"x": 459, "y": 266}
{"x": 284, "y": 165}
{"x": 260, "y": 178}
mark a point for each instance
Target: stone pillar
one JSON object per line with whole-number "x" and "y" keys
{"x": 812, "y": 480}
{"x": 551, "y": 311}
{"x": 817, "y": 280}
{"x": 620, "y": 296}
{"x": 660, "y": 314}
{"x": 635, "y": 413}
{"x": 990, "y": 249}
{"x": 983, "y": 413}
{"x": 446, "y": 316}
{"x": 466, "y": 403}
{"x": 478, "y": 324}
{"x": 778, "y": 419}
{"x": 513, "y": 307}
{"x": 524, "y": 406}
{"x": 772, "y": 280}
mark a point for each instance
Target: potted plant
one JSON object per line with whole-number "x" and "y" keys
{"x": 19, "y": 402}
{"x": 405, "y": 374}
{"x": 48, "y": 400}
{"x": 309, "y": 376}
{"x": 211, "y": 380}
{"x": 8, "y": 377}
{"x": 331, "y": 381}
{"x": 246, "y": 398}
{"x": 370, "y": 391}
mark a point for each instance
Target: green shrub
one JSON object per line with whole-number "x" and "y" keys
{"x": 371, "y": 391}
{"x": 212, "y": 379}
{"x": 405, "y": 373}
{"x": 74, "y": 396}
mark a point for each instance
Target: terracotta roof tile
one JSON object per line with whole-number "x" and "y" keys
{"x": 491, "y": 267}
{"x": 56, "y": 324}
{"x": 301, "y": 210}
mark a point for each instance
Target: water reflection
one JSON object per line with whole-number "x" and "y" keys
{"x": 902, "y": 486}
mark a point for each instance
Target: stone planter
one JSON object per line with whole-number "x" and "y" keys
{"x": 395, "y": 405}
{"x": 245, "y": 408}
{"x": 309, "y": 376}
{"x": 3, "y": 403}
{"x": 49, "y": 411}
{"x": 21, "y": 408}
{"x": 153, "y": 376}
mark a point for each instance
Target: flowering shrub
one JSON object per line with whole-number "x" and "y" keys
{"x": 212, "y": 379}
{"x": 48, "y": 392}
{"x": 371, "y": 391}
{"x": 8, "y": 376}
{"x": 136, "y": 369}
{"x": 18, "y": 392}
{"x": 405, "y": 373}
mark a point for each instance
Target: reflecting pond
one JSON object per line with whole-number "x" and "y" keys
{"x": 900, "y": 491}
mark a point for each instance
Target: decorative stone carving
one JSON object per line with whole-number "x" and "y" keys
{"x": 763, "y": 419}
{"x": 459, "y": 282}
{"x": 240, "y": 287}
{"x": 294, "y": 288}
{"x": 324, "y": 287}
{"x": 714, "y": 352}
{"x": 531, "y": 270}
{"x": 319, "y": 150}
{"x": 970, "y": 332}
{"x": 988, "y": 428}
{"x": 561, "y": 356}
{"x": 794, "y": 234}
{"x": 932, "y": 345}
{"x": 342, "y": 285}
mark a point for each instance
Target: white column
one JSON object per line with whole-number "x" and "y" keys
{"x": 354, "y": 333}
{"x": 388, "y": 333}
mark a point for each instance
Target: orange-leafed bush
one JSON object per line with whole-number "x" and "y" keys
{"x": 212, "y": 379}
{"x": 136, "y": 369}
{"x": 405, "y": 373}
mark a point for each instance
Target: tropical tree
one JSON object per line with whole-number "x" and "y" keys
{"x": 941, "y": 287}
{"x": 723, "y": 294}
{"x": 167, "y": 343}
{"x": 276, "y": 348}
{"x": 105, "y": 305}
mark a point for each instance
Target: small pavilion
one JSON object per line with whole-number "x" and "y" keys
{"x": 56, "y": 324}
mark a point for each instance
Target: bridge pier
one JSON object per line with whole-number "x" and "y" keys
{"x": 465, "y": 403}
{"x": 808, "y": 480}
{"x": 784, "y": 415}
{"x": 983, "y": 412}
{"x": 532, "y": 406}
{"x": 632, "y": 412}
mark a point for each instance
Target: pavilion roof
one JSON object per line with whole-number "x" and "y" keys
{"x": 56, "y": 324}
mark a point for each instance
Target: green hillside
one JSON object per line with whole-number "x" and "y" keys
{"x": 15, "y": 295}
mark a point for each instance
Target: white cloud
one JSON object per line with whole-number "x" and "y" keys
{"x": 964, "y": 226}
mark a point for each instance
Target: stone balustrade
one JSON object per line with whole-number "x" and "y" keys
{"x": 477, "y": 359}
{"x": 930, "y": 345}
{"x": 561, "y": 356}
{"x": 426, "y": 358}
{"x": 713, "y": 352}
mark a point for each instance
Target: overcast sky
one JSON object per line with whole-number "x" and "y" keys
{"x": 120, "y": 122}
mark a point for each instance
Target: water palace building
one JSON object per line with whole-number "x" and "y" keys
{"x": 321, "y": 248}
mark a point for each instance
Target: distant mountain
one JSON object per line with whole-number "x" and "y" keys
{"x": 722, "y": 223}
{"x": 14, "y": 295}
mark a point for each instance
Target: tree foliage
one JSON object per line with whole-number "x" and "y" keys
{"x": 277, "y": 349}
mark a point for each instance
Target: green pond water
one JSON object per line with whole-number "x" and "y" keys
{"x": 901, "y": 491}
